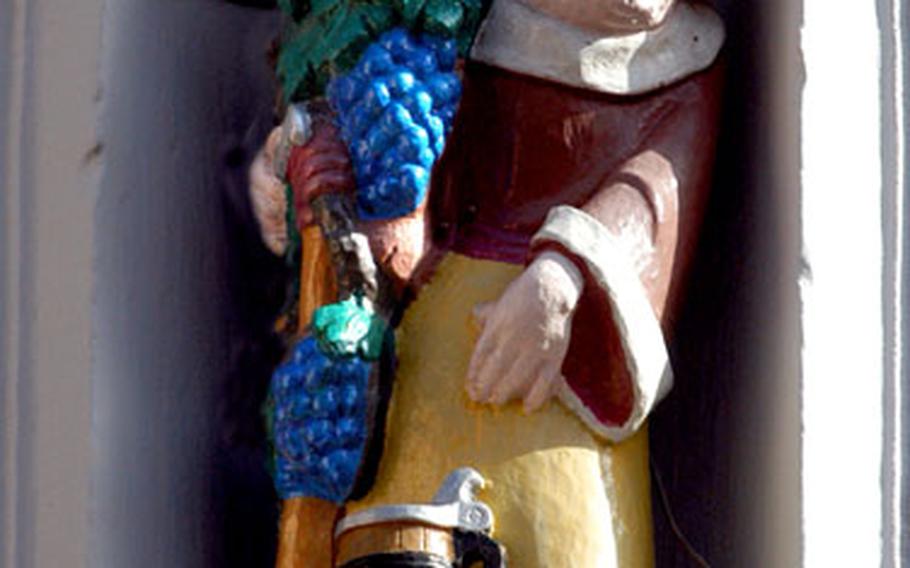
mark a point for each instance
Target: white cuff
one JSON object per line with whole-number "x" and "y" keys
{"x": 638, "y": 328}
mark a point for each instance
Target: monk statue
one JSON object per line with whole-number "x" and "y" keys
{"x": 536, "y": 281}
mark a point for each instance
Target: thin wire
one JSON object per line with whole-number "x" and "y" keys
{"x": 665, "y": 505}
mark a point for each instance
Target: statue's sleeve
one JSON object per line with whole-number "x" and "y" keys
{"x": 630, "y": 241}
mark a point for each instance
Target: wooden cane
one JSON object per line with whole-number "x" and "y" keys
{"x": 336, "y": 263}
{"x": 306, "y": 526}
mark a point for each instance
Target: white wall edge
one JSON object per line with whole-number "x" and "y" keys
{"x": 841, "y": 290}
{"x": 49, "y": 188}
{"x": 894, "y": 232}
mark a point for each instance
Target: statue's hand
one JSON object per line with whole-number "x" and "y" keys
{"x": 267, "y": 197}
{"x": 399, "y": 244}
{"x": 320, "y": 166}
{"x": 323, "y": 165}
{"x": 526, "y": 335}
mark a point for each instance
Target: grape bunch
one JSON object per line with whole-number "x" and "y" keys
{"x": 395, "y": 109}
{"x": 318, "y": 419}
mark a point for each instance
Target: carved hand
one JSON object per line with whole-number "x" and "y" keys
{"x": 323, "y": 165}
{"x": 526, "y": 335}
{"x": 267, "y": 197}
{"x": 320, "y": 166}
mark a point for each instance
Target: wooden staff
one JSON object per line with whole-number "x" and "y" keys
{"x": 306, "y": 526}
{"x": 336, "y": 261}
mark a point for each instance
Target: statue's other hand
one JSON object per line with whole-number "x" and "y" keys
{"x": 320, "y": 166}
{"x": 525, "y": 335}
{"x": 399, "y": 244}
{"x": 267, "y": 197}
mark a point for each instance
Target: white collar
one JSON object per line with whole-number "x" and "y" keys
{"x": 519, "y": 38}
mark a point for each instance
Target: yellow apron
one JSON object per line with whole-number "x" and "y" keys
{"x": 561, "y": 496}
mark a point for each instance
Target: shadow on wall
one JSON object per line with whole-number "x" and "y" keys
{"x": 256, "y": 281}
{"x": 185, "y": 294}
{"x": 725, "y": 443}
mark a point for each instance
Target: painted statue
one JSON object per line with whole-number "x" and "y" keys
{"x": 527, "y": 178}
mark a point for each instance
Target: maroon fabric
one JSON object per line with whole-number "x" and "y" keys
{"x": 595, "y": 366}
{"x": 638, "y": 164}
{"x": 521, "y": 145}
{"x": 481, "y": 241}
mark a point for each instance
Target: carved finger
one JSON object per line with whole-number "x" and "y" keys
{"x": 306, "y": 162}
{"x": 326, "y": 182}
{"x": 482, "y": 312}
{"x": 322, "y": 162}
{"x": 514, "y": 383}
{"x": 320, "y": 147}
{"x": 325, "y": 136}
{"x": 324, "y": 131}
{"x": 543, "y": 390}
{"x": 482, "y": 350}
{"x": 489, "y": 368}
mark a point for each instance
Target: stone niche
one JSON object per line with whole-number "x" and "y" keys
{"x": 186, "y": 295}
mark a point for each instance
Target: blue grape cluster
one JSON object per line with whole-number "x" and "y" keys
{"x": 318, "y": 423}
{"x": 395, "y": 109}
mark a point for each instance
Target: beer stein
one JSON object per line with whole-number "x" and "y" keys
{"x": 451, "y": 532}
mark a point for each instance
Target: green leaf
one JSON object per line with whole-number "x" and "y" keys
{"x": 443, "y": 17}
{"x": 297, "y": 61}
{"x": 379, "y": 18}
{"x": 330, "y": 35}
{"x": 296, "y": 9}
{"x": 347, "y": 31}
{"x": 410, "y": 10}
{"x": 474, "y": 12}
{"x": 349, "y": 328}
{"x": 329, "y": 41}
{"x": 320, "y": 7}
{"x": 286, "y": 6}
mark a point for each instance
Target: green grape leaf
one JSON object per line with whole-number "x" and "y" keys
{"x": 474, "y": 12}
{"x": 298, "y": 59}
{"x": 287, "y": 6}
{"x": 320, "y": 7}
{"x": 329, "y": 41}
{"x": 296, "y": 9}
{"x": 378, "y": 18}
{"x": 328, "y": 37}
{"x": 443, "y": 17}
{"x": 349, "y": 328}
{"x": 346, "y": 29}
{"x": 410, "y": 11}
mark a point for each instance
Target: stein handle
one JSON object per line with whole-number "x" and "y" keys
{"x": 472, "y": 547}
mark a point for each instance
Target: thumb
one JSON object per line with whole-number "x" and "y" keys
{"x": 482, "y": 313}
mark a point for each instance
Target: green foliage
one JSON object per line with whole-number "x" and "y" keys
{"x": 327, "y": 37}
{"x": 410, "y": 11}
{"x": 327, "y": 41}
{"x": 349, "y": 328}
{"x": 443, "y": 17}
{"x": 295, "y": 8}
